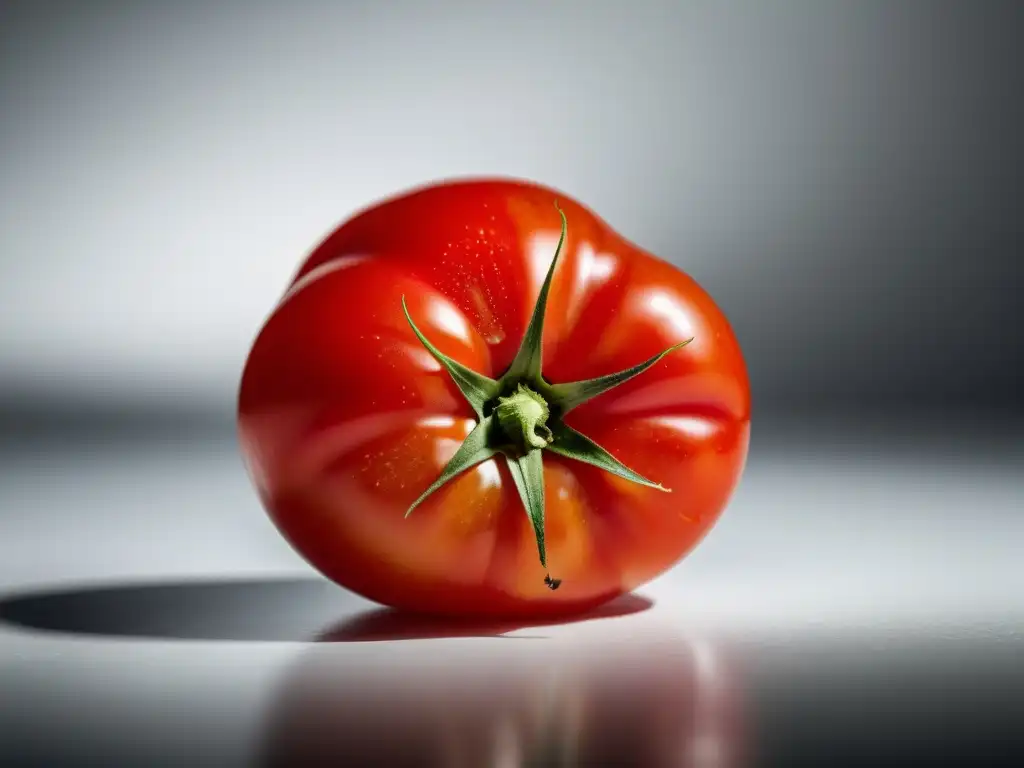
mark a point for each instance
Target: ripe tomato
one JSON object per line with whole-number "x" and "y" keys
{"x": 350, "y": 409}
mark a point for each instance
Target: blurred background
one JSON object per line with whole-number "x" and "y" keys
{"x": 844, "y": 179}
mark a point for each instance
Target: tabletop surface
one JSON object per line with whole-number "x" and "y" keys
{"x": 854, "y": 606}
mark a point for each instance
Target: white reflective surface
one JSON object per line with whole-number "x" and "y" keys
{"x": 153, "y": 616}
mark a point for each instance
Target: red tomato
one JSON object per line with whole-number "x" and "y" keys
{"x": 346, "y": 418}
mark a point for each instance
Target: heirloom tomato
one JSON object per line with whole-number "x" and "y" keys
{"x": 476, "y": 398}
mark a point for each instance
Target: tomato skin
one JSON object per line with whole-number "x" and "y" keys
{"x": 344, "y": 417}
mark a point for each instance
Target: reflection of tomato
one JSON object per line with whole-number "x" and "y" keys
{"x": 345, "y": 417}
{"x": 660, "y": 701}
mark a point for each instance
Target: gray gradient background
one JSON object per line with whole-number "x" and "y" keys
{"x": 844, "y": 178}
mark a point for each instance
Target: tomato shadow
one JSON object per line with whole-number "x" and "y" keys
{"x": 389, "y": 624}
{"x": 255, "y": 610}
{"x": 251, "y": 610}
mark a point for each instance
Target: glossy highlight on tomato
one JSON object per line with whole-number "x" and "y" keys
{"x": 359, "y": 391}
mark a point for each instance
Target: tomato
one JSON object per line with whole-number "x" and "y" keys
{"x": 580, "y": 399}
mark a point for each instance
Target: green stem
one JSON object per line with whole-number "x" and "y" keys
{"x": 523, "y": 416}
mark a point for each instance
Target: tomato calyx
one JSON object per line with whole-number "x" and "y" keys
{"x": 521, "y": 414}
